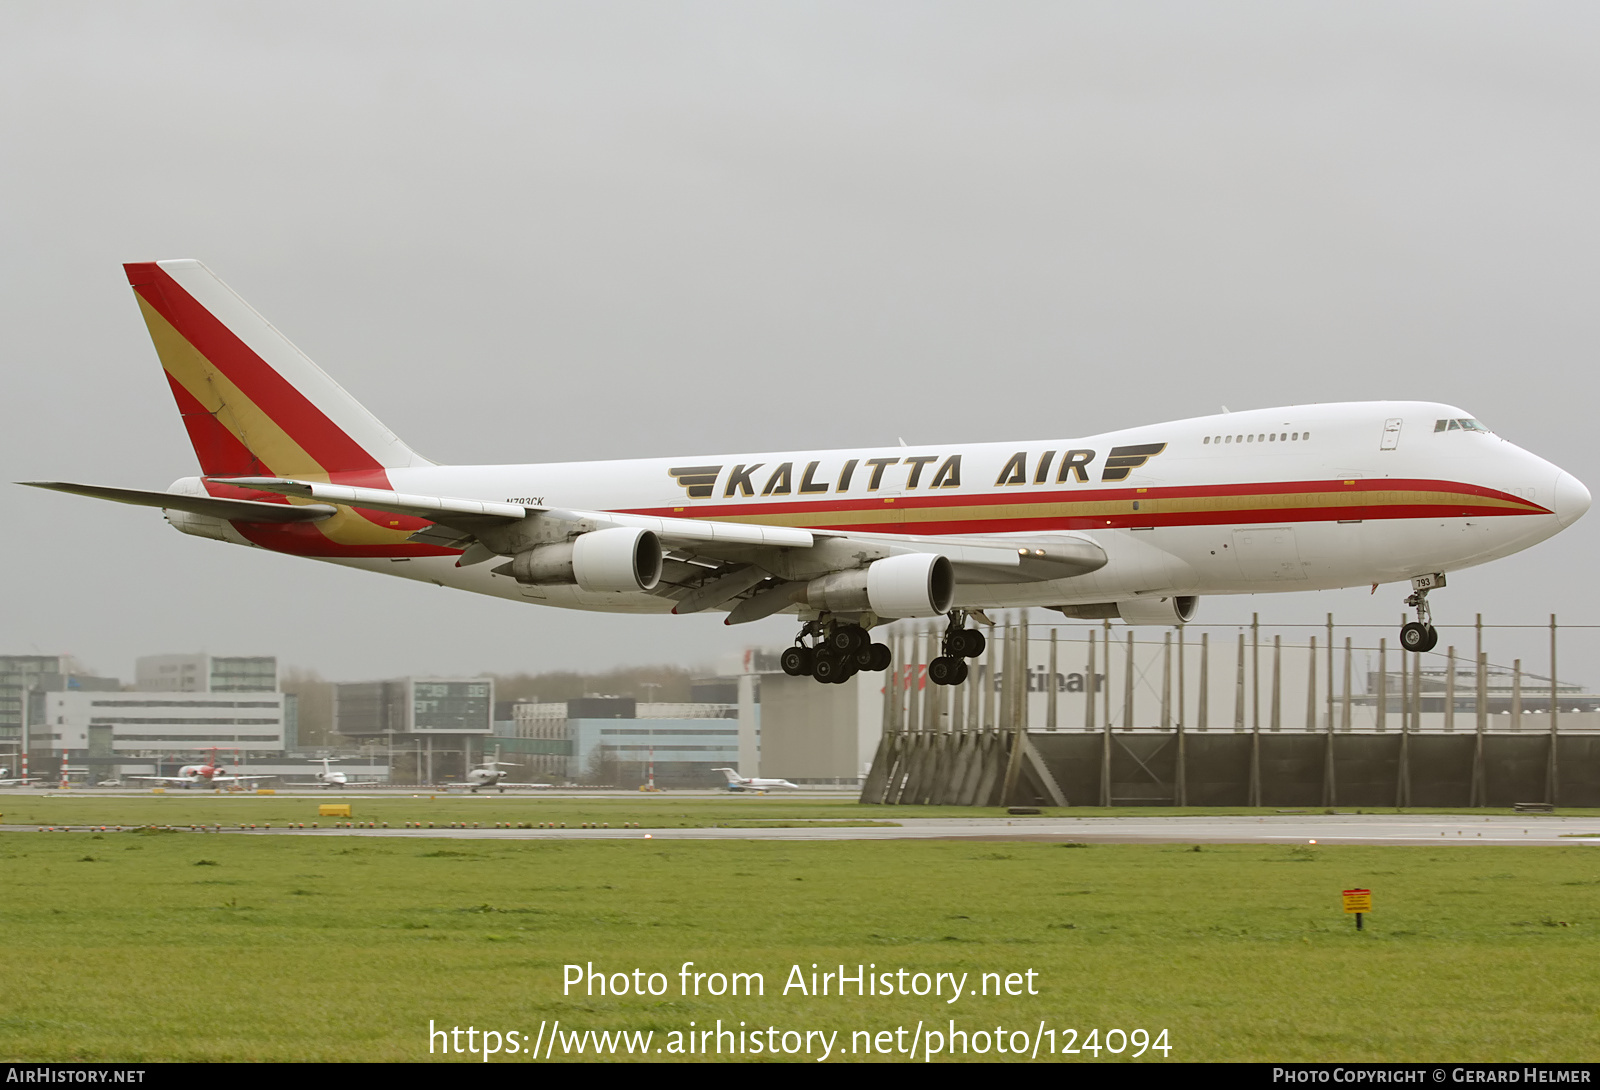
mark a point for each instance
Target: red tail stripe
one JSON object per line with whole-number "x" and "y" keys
{"x": 320, "y": 437}
{"x": 219, "y": 450}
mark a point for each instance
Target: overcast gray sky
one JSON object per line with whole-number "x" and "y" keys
{"x": 540, "y": 232}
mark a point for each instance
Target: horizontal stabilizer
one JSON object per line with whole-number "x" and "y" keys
{"x": 229, "y": 510}
{"x": 434, "y": 508}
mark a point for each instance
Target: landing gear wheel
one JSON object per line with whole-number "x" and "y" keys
{"x": 942, "y": 670}
{"x": 797, "y": 661}
{"x": 828, "y": 670}
{"x": 972, "y": 643}
{"x": 881, "y": 657}
{"x": 961, "y": 642}
{"x": 847, "y": 638}
{"x": 1418, "y": 637}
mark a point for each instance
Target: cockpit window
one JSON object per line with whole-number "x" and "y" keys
{"x": 1460, "y": 425}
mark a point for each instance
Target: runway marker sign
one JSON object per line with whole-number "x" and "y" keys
{"x": 1357, "y": 901}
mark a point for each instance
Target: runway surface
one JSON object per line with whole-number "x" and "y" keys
{"x": 1391, "y": 829}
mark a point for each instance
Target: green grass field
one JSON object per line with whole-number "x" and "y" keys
{"x": 663, "y": 811}
{"x": 180, "y": 946}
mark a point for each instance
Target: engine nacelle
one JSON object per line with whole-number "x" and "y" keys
{"x": 1176, "y": 609}
{"x": 620, "y": 558}
{"x": 909, "y": 585}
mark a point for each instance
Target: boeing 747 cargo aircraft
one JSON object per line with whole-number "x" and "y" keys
{"x": 1134, "y": 524}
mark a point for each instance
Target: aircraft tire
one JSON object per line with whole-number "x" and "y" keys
{"x": 881, "y": 658}
{"x": 848, "y": 638}
{"x": 1418, "y": 637}
{"x": 827, "y": 669}
{"x": 797, "y": 661}
{"x": 969, "y": 643}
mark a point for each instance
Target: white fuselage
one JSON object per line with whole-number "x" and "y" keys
{"x": 1302, "y": 498}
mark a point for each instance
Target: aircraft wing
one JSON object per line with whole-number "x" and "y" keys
{"x": 232, "y": 510}
{"x": 709, "y": 563}
{"x": 471, "y": 516}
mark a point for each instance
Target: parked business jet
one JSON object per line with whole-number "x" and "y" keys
{"x": 337, "y": 780}
{"x": 490, "y": 774}
{"x": 738, "y": 783}
{"x": 1134, "y": 524}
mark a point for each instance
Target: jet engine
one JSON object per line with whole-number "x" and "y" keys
{"x": 1164, "y": 611}
{"x": 909, "y": 585}
{"x": 620, "y": 558}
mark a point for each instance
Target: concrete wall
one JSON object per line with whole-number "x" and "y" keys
{"x": 1367, "y": 768}
{"x": 811, "y": 731}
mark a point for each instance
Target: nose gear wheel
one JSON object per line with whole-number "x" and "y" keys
{"x": 1420, "y": 635}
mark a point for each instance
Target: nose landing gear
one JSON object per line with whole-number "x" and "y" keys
{"x": 1420, "y": 635}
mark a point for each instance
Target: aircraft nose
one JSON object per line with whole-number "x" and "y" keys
{"x": 1571, "y": 500}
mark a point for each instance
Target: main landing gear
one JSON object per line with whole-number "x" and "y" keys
{"x": 836, "y": 653}
{"x": 1420, "y": 635}
{"x": 960, "y": 643}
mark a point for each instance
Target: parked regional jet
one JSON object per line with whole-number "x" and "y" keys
{"x": 209, "y": 773}
{"x": 737, "y": 782}
{"x": 1134, "y": 524}
{"x": 23, "y": 781}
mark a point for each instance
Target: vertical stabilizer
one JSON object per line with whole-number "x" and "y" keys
{"x": 253, "y": 403}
